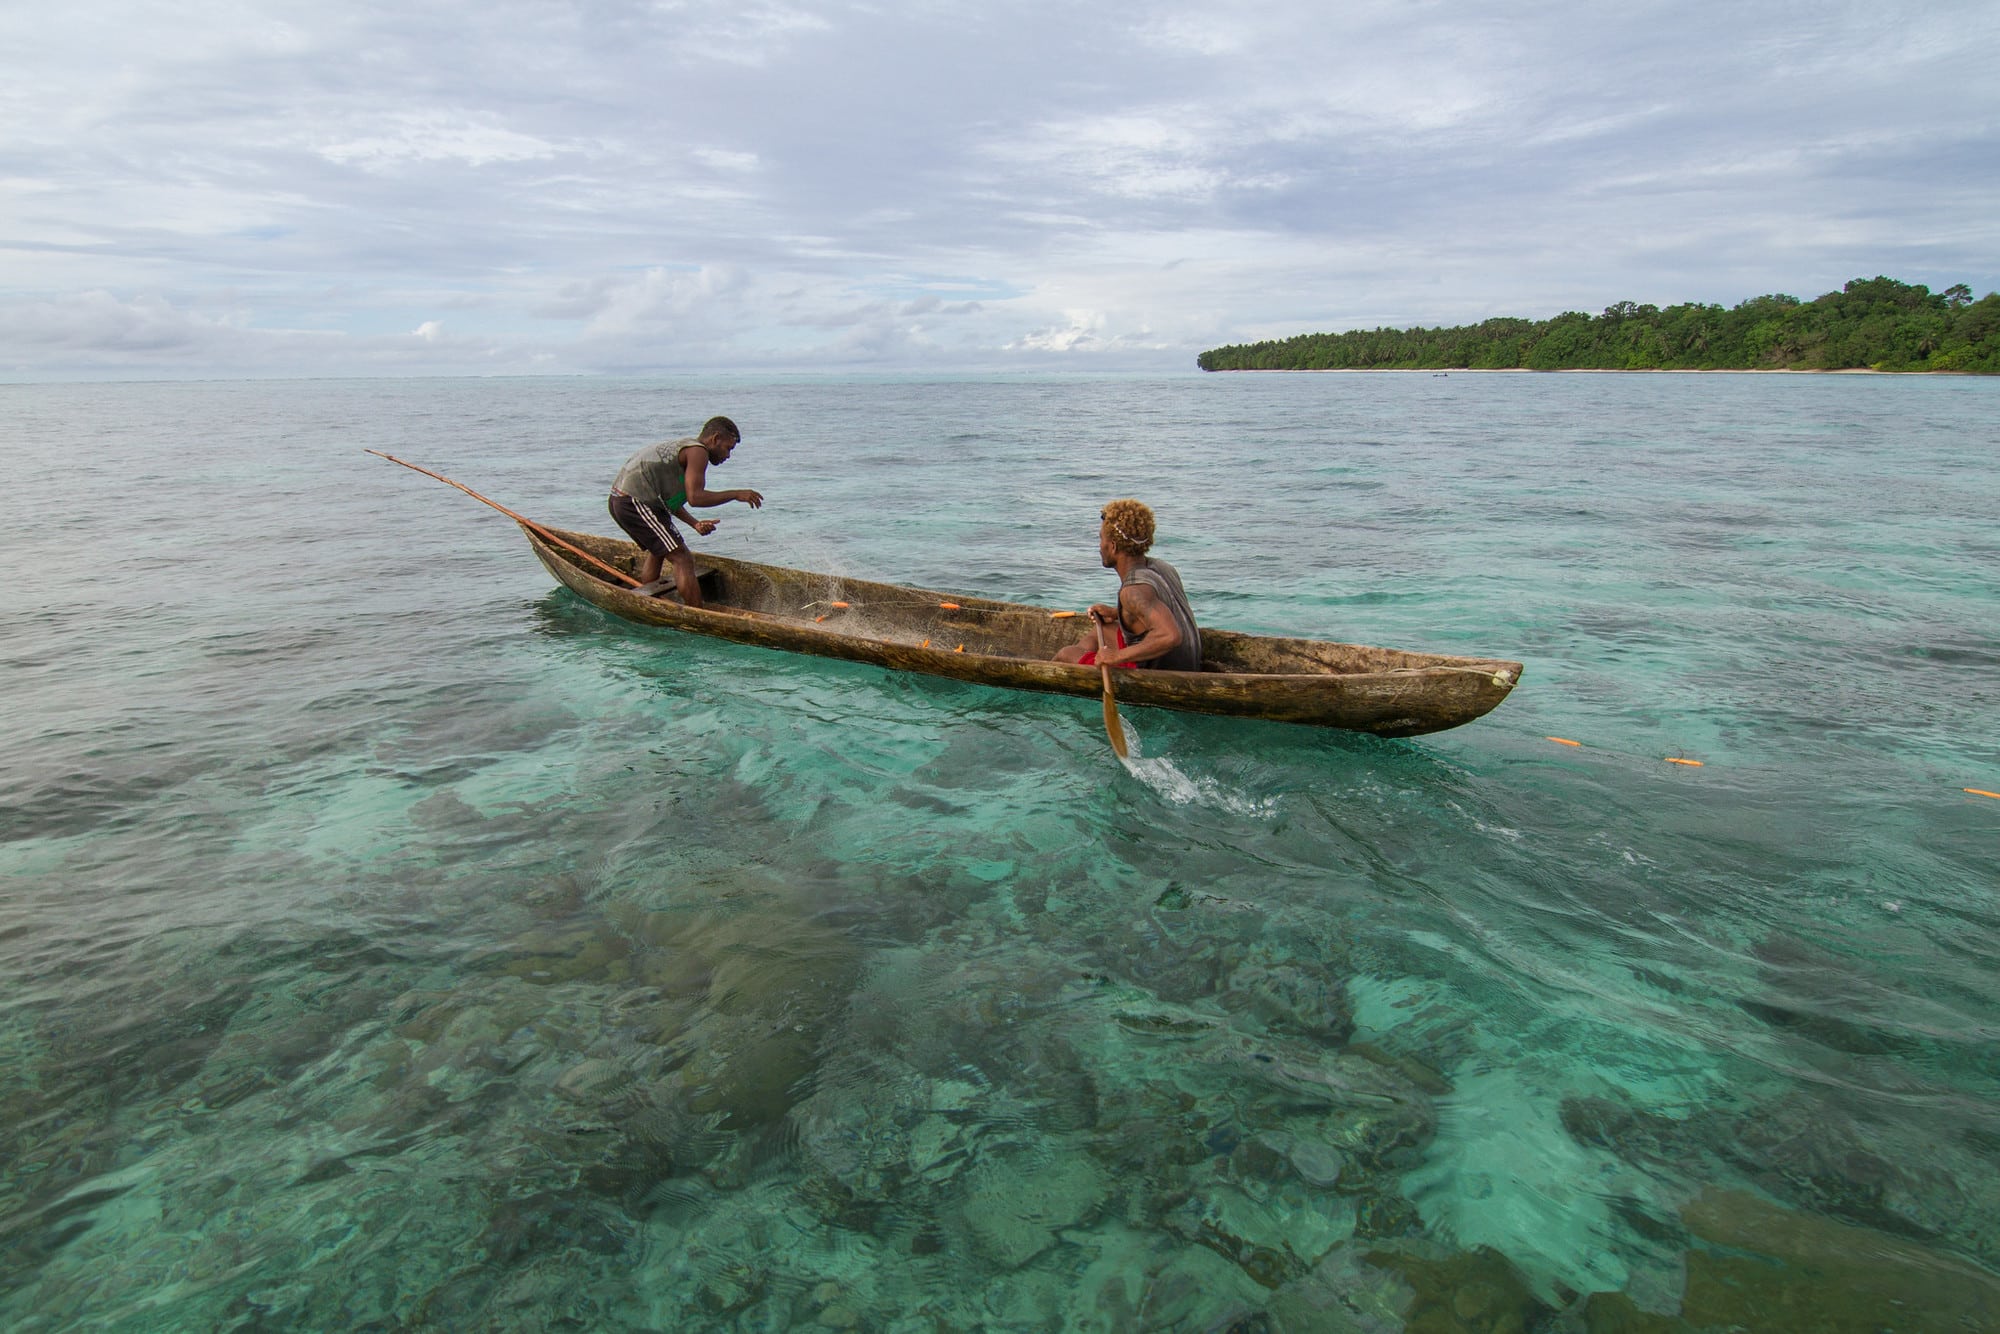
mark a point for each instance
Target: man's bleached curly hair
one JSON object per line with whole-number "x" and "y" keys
{"x": 1131, "y": 526}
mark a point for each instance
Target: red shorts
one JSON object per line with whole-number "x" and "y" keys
{"x": 1090, "y": 659}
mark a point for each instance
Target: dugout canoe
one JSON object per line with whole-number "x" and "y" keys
{"x": 1387, "y": 692}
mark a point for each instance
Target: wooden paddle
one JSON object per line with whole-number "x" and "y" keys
{"x": 1112, "y": 727}
{"x": 528, "y": 524}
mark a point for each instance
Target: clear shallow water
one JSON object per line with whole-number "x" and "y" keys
{"x": 388, "y": 938}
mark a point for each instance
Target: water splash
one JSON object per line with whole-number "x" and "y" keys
{"x": 1170, "y": 781}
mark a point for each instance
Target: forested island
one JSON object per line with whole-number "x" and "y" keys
{"x": 1870, "y": 324}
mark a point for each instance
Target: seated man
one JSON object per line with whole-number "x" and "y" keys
{"x": 656, "y": 486}
{"x": 1152, "y": 625}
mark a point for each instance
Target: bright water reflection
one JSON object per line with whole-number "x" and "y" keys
{"x": 390, "y": 939}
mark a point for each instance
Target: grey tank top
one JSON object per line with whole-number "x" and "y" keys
{"x": 1165, "y": 581}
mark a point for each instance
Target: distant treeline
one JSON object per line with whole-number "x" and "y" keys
{"x": 1873, "y": 323}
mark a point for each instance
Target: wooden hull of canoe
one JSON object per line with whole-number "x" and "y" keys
{"x": 1387, "y": 692}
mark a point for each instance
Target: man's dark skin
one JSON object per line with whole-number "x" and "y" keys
{"x": 1150, "y": 629}
{"x": 716, "y": 447}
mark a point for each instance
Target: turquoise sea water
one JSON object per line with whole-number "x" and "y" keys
{"x": 389, "y": 939}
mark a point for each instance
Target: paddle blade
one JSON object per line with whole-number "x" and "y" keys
{"x": 1112, "y": 727}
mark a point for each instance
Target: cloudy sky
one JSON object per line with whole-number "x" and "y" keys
{"x": 268, "y": 187}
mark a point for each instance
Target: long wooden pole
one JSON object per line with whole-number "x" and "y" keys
{"x": 1112, "y": 727}
{"x": 528, "y": 524}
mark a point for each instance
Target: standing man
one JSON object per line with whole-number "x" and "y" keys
{"x": 1152, "y": 623}
{"x": 656, "y": 486}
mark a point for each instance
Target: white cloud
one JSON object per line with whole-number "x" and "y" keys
{"x": 1208, "y": 34}
{"x": 429, "y": 137}
{"x": 747, "y": 34}
{"x": 1142, "y": 156}
{"x": 723, "y": 159}
{"x": 660, "y": 296}
{"x": 100, "y": 321}
{"x": 1079, "y": 329}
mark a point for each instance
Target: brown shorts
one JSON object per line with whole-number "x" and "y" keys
{"x": 648, "y": 525}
